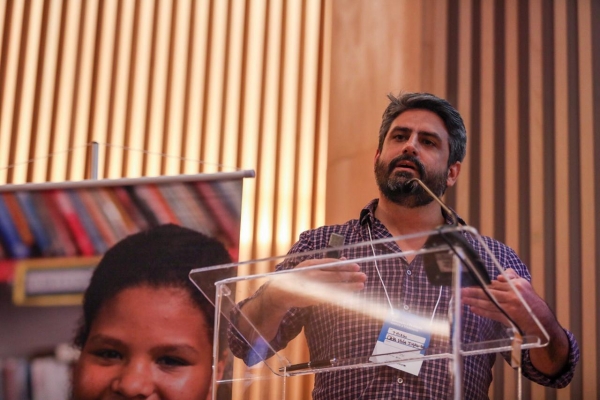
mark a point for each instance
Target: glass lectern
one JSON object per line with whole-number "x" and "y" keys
{"x": 407, "y": 315}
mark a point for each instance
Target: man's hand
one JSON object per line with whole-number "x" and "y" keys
{"x": 479, "y": 303}
{"x": 549, "y": 360}
{"x": 298, "y": 289}
{"x": 313, "y": 286}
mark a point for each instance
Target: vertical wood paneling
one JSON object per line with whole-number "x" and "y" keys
{"x": 535, "y": 133}
{"x": 435, "y": 57}
{"x": 511, "y": 116}
{"x": 34, "y": 67}
{"x": 86, "y": 94}
{"x": 522, "y": 87}
{"x": 589, "y": 308}
{"x": 170, "y": 87}
{"x": 452, "y": 68}
{"x": 542, "y": 165}
{"x": 45, "y": 87}
{"x": 252, "y": 98}
{"x": 475, "y": 120}
{"x": 487, "y": 167}
{"x": 560, "y": 179}
{"x": 322, "y": 113}
{"x": 194, "y": 84}
{"x": 13, "y": 80}
{"x": 463, "y": 102}
{"x": 573, "y": 302}
{"x": 594, "y": 342}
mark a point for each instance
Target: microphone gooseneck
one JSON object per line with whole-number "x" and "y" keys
{"x": 436, "y": 198}
{"x": 470, "y": 259}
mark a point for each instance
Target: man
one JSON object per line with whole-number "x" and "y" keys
{"x": 421, "y": 136}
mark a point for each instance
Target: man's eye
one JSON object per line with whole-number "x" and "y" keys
{"x": 170, "y": 361}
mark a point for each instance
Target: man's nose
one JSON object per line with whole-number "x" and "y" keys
{"x": 134, "y": 380}
{"x": 411, "y": 145}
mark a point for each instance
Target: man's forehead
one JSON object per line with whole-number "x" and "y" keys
{"x": 420, "y": 120}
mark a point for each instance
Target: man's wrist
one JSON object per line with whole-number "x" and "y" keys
{"x": 270, "y": 303}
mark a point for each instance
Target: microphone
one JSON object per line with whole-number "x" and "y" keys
{"x": 335, "y": 240}
{"x": 438, "y": 265}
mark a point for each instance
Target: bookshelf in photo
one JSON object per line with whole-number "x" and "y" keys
{"x": 62, "y": 222}
{"x": 52, "y": 236}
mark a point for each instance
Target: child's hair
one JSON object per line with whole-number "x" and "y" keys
{"x": 159, "y": 257}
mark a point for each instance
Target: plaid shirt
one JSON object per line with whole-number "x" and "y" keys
{"x": 331, "y": 334}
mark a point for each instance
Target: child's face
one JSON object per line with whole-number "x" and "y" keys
{"x": 146, "y": 343}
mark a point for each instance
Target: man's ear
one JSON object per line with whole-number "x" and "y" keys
{"x": 377, "y": 154}
{"x": 453, "y": 172}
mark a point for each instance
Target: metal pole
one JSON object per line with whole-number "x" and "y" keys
{"x": 94, "y": 166}
{"x": 457, "y": 331}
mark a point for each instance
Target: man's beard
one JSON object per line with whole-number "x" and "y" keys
{"x": 395, "y": 187}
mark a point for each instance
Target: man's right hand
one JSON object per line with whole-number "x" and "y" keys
{"x": 303, "y": 288}
{"x": 314, "y": 285}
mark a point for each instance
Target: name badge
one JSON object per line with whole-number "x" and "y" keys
{"x": 403, "y": 335}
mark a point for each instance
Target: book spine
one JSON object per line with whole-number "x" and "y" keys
{"x": 128, "y": 224}
{"x": 110, "y": 212}
{"x": 19, "y": 218}
{"x": 65, "y": 239}
{"x": 157, "y": 204}
{"x": 43, "y": 243}
{"x": 142, "y": 205}
{"x": 178, "y": 206}
{"x": 228, "y": 225}
{"x": 7, "y": 270}
{"x": 49, "y": 379}
{"x": 131, "y": 209}
{"x": 204, "y": 215}
{"x": 202, "y": 219}
{"x": 79, "y": 234}
{"x": 105, "y": 230}
{"x": 13, "y": 242}
{"x": 87, "y": 222}
{"x": 15, "y": 372}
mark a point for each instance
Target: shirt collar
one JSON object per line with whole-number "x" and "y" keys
{"x": 367, "y": 214}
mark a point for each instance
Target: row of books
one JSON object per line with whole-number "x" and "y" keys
{"x": 43, "y": 377}
{"x": 87, "y": 221}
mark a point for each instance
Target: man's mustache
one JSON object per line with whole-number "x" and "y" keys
{"x": 407, "y": 157}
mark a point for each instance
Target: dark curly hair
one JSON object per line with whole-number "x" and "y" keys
{"x": 457, "y": 134}
{"x": 159, "y": 257}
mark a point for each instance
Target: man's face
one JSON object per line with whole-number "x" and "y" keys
{"x": 416, "y": 146}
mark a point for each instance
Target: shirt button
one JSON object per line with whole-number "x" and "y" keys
{"x": 409, "y": 272}
{"x": 400, "y": 381}
{"x": 406, "y": 307}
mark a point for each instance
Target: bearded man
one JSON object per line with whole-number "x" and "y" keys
{"x": 421, "y": 136}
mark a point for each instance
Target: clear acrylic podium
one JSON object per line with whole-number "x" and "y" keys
{"x": 449, "y": 262}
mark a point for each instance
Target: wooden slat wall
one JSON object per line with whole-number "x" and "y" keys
{"x": 525, "y": 74}
{"x": 162, "y": 84}
{"x": 533, "y": 182}
{"x": 236, "y": 84}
